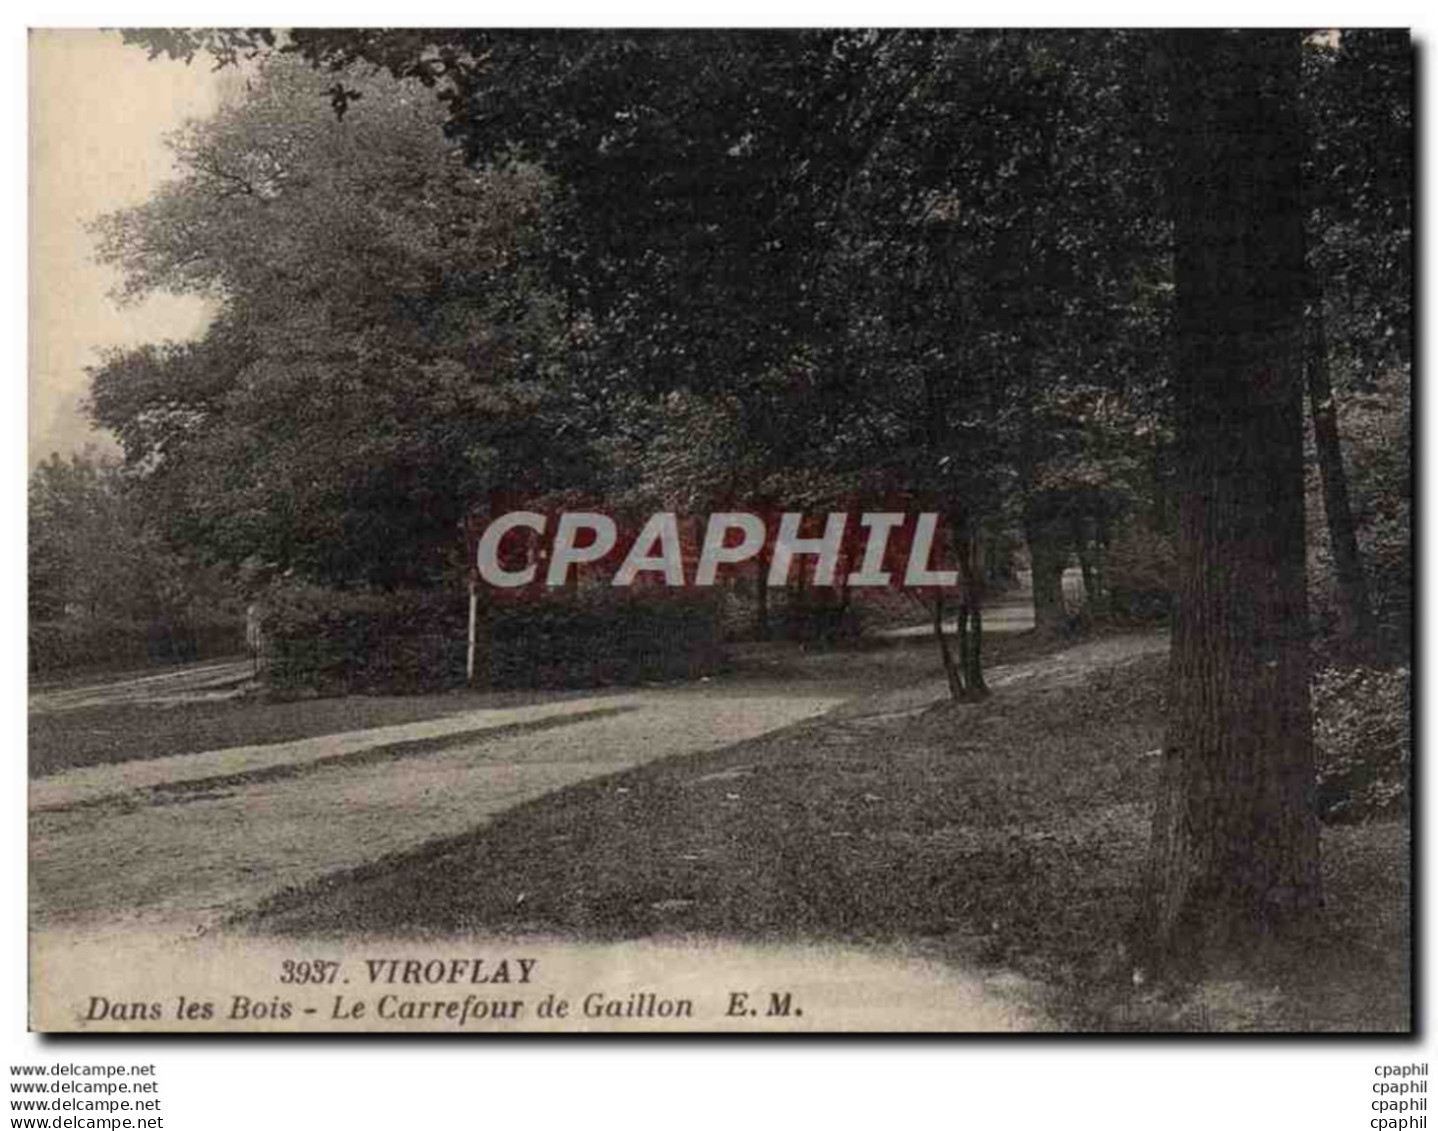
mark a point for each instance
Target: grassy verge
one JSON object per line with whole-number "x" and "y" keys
{"x": 1006, "y": 834}
{"x": 91, "y": 736}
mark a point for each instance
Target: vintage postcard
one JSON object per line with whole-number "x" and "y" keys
{"x": 720, "y": 531}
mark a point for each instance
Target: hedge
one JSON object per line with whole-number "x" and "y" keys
{"x": 319, "y": 641}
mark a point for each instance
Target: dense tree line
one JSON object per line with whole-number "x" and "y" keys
{"x": 105, "y": 586}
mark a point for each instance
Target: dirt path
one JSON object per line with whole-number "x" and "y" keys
{"x": 1044, "y": 675}
{"x": 1011, "y": 613}
{"x": 176, "y": 844}
{"x": 208, "y": 679}
{"x": 131, "y": 863}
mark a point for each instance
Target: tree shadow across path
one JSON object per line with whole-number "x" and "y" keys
{"x": 1008, "y": 835}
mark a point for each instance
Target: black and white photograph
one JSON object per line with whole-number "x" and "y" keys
{"x": 739, "y": 531}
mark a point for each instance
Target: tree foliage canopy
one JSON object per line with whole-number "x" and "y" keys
{"x": 382, "y": 350}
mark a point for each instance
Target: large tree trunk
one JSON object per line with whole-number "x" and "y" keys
{"x": 1357, "y": 616}
{"x": 1235, "y": 845}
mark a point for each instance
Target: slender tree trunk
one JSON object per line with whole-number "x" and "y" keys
{"x": 1088, "y": 567}
{"x": 961, "y": 634}
{"x": 1047, "y": 557}
{"x": 951, "y": 670}
{"x": 968, "y": 553}
{"x": 1045, "y": 537}
{"x": 1235, "y": 846}
{"x": 1089, "y": 573}
{"x": 840, "y": 607}
{"x": 1100, "y": 567}
{"x": 761, "y": 598}
{"x": 798, "y": 611}
{"x": 483, "y": 675}
{"x": 974, "y": 660}
{"x": 1357, "y": 624}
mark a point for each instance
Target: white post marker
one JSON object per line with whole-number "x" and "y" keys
{"x": 473, "y": 607}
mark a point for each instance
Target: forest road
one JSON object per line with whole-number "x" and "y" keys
{"x": 129, "y": 861}
{"x": 177, "y": 844}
